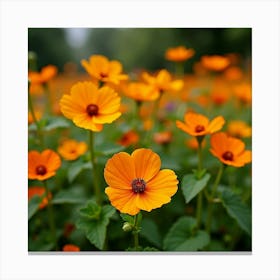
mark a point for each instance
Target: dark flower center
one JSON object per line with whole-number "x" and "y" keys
{"x": 41, "y": 170}
{"x": 103, "y": 75}
{"x": 138, "y": 185}
{"x": 199, "y": 128}
{"x": 227, "y": 156}
{"x": 92, "y": 110}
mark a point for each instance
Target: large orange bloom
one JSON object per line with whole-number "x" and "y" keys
{"x": 137, "y": 183}
{"x": 229, "y": 150}
{"x": 101, "y": 69}
{"x": 89, "y": 107}
{"x": 42, "y": 166}
{"x": 199, "y": 125}
{"x": 179, "y": 54}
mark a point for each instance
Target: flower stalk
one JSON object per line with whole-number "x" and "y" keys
{"x": 94, "y": 169}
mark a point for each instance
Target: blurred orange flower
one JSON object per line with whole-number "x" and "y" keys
{"x": 193, "y": 144}
{"x": 179, "y": 54}
{"x": 229, "y": 150}
{"x": 46, "y": 74}
{"x": 40, "y": 191}
{"x": 129, "y": 138}
{"x": 233, "y": 73}
{"x": 70, "y": 248}
{"x": 38, "y": 116}
{"x": 89, "y": 107}
{"x": 137, "y": 183}
{"x": 199, "y": 125}
{"x": 42, "y": 166}
{"x": 215, "y": 62}
{"x": 140, "y": 91}
{"x": 101, "y": 69}
{"x": 163, "y": 138}
{"x": 244, "y": 93}
{"x": 239, "y": 129}
{"x": 162, "y": 81}
{"x": 71, "y": 149}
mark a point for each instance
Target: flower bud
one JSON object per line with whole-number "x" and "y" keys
{"x": 127, "y": 227}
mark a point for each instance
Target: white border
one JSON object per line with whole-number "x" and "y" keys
{"x": 262, "y": 16}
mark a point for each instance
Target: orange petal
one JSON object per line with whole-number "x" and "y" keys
{"x": 123, "y": 200}
{"x": 185, "y": 128}
{"x": 106, "y": 118}
{"x": 147, "y": 163}
{"x": 245, "y": 157}
{"x": 236, "y": 146}
{"x": 218, "y": 143}
{"x": 51, "y": 160}
{"x": 216, "y": 124}
{"x": 119, "y": 171}
{"x": 194, "y": 119}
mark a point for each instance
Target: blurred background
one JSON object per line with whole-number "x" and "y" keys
{"x": 141, "y": 47}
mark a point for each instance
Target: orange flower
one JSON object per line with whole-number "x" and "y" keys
{"x": 70, "y": 248}
{"x": 233, "y": 73}
{"x": 179, "y": 54}
{"x": 229, "y": 150}
{"x": 193, "y": 144}
{"x": 215, "y": 62}
{"x": 244, "y": 93}
{"x": 70, "y": 149}
{"x": 42, "y": 166}
{"x": 141, "y": 92}
{"x": 46, "y": 74}
{"x": 137, "y": 183}
{"x": 162, "y": 81}
{"x": 38, "y": 116}
{"x": 239, "y": 129}
{"x": 89, "y": 107}
{"x": 163, "y": 138}
{"x": 40, "y": 191}
{"x": 199, "y": 125}
{"x": 101, "y": 69}
{"x": 129, "y": 138}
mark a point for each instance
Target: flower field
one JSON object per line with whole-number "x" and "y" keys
{"x": 141, "y": 160}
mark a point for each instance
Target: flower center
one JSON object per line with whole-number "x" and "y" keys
{"x": 92, "y": 110}
{"x": 227, "y": 156}
{"x": 41, "y": 170}
{"x": 103, "y": 75}
{"x": 138, "y": 185}
{"x": 199, "y": 128}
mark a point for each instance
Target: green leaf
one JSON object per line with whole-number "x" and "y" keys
{"x": 191, "y": 186}
{"x": 106, "y": 149}
{"x": 56, "y": 122}
{"x": 127, "y": 218}
{"x": 237, "y": 209}
{"x": 76, "y": 168}
{"x": 33, "y": 205}
{"x": 73, "y": 196}
{"x": 150, "y": 231}
{"x": 95, "y": 226}
{"x": 182, "y": 236}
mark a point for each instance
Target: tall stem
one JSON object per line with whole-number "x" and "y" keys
{"x": 51, "y": 216}
{"x": 199, "y": 197}
{"x": 135, "y": 232}
{"x": 94, "y": 169}
{"x": 31, "y": 109}
{"x": 210, "y": 206}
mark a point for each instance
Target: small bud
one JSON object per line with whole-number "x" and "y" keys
{"x": 127, "y": 227}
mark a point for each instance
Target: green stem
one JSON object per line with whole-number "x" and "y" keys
{"x": 30, "y": 106}
{"x": 94, "y": 169}
{"x": 199, "y": 197}
{"x": 51, "y": 216}
{"x": 179, "y": 69}
{"x": 48, "y": 94}
{"x": 210, "y": 206}
{"x": 135, "y": 232}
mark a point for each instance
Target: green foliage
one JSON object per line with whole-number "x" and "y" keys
{"x": 33, "y": 205}
{"x": 191, "y": 186}
{"x": 94, "y": 220}
{"x": 237, "y": 209}
{"x": 76, "y": 168}
{"x": 183, "y": 236}
{"x": 72, "y": 196}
